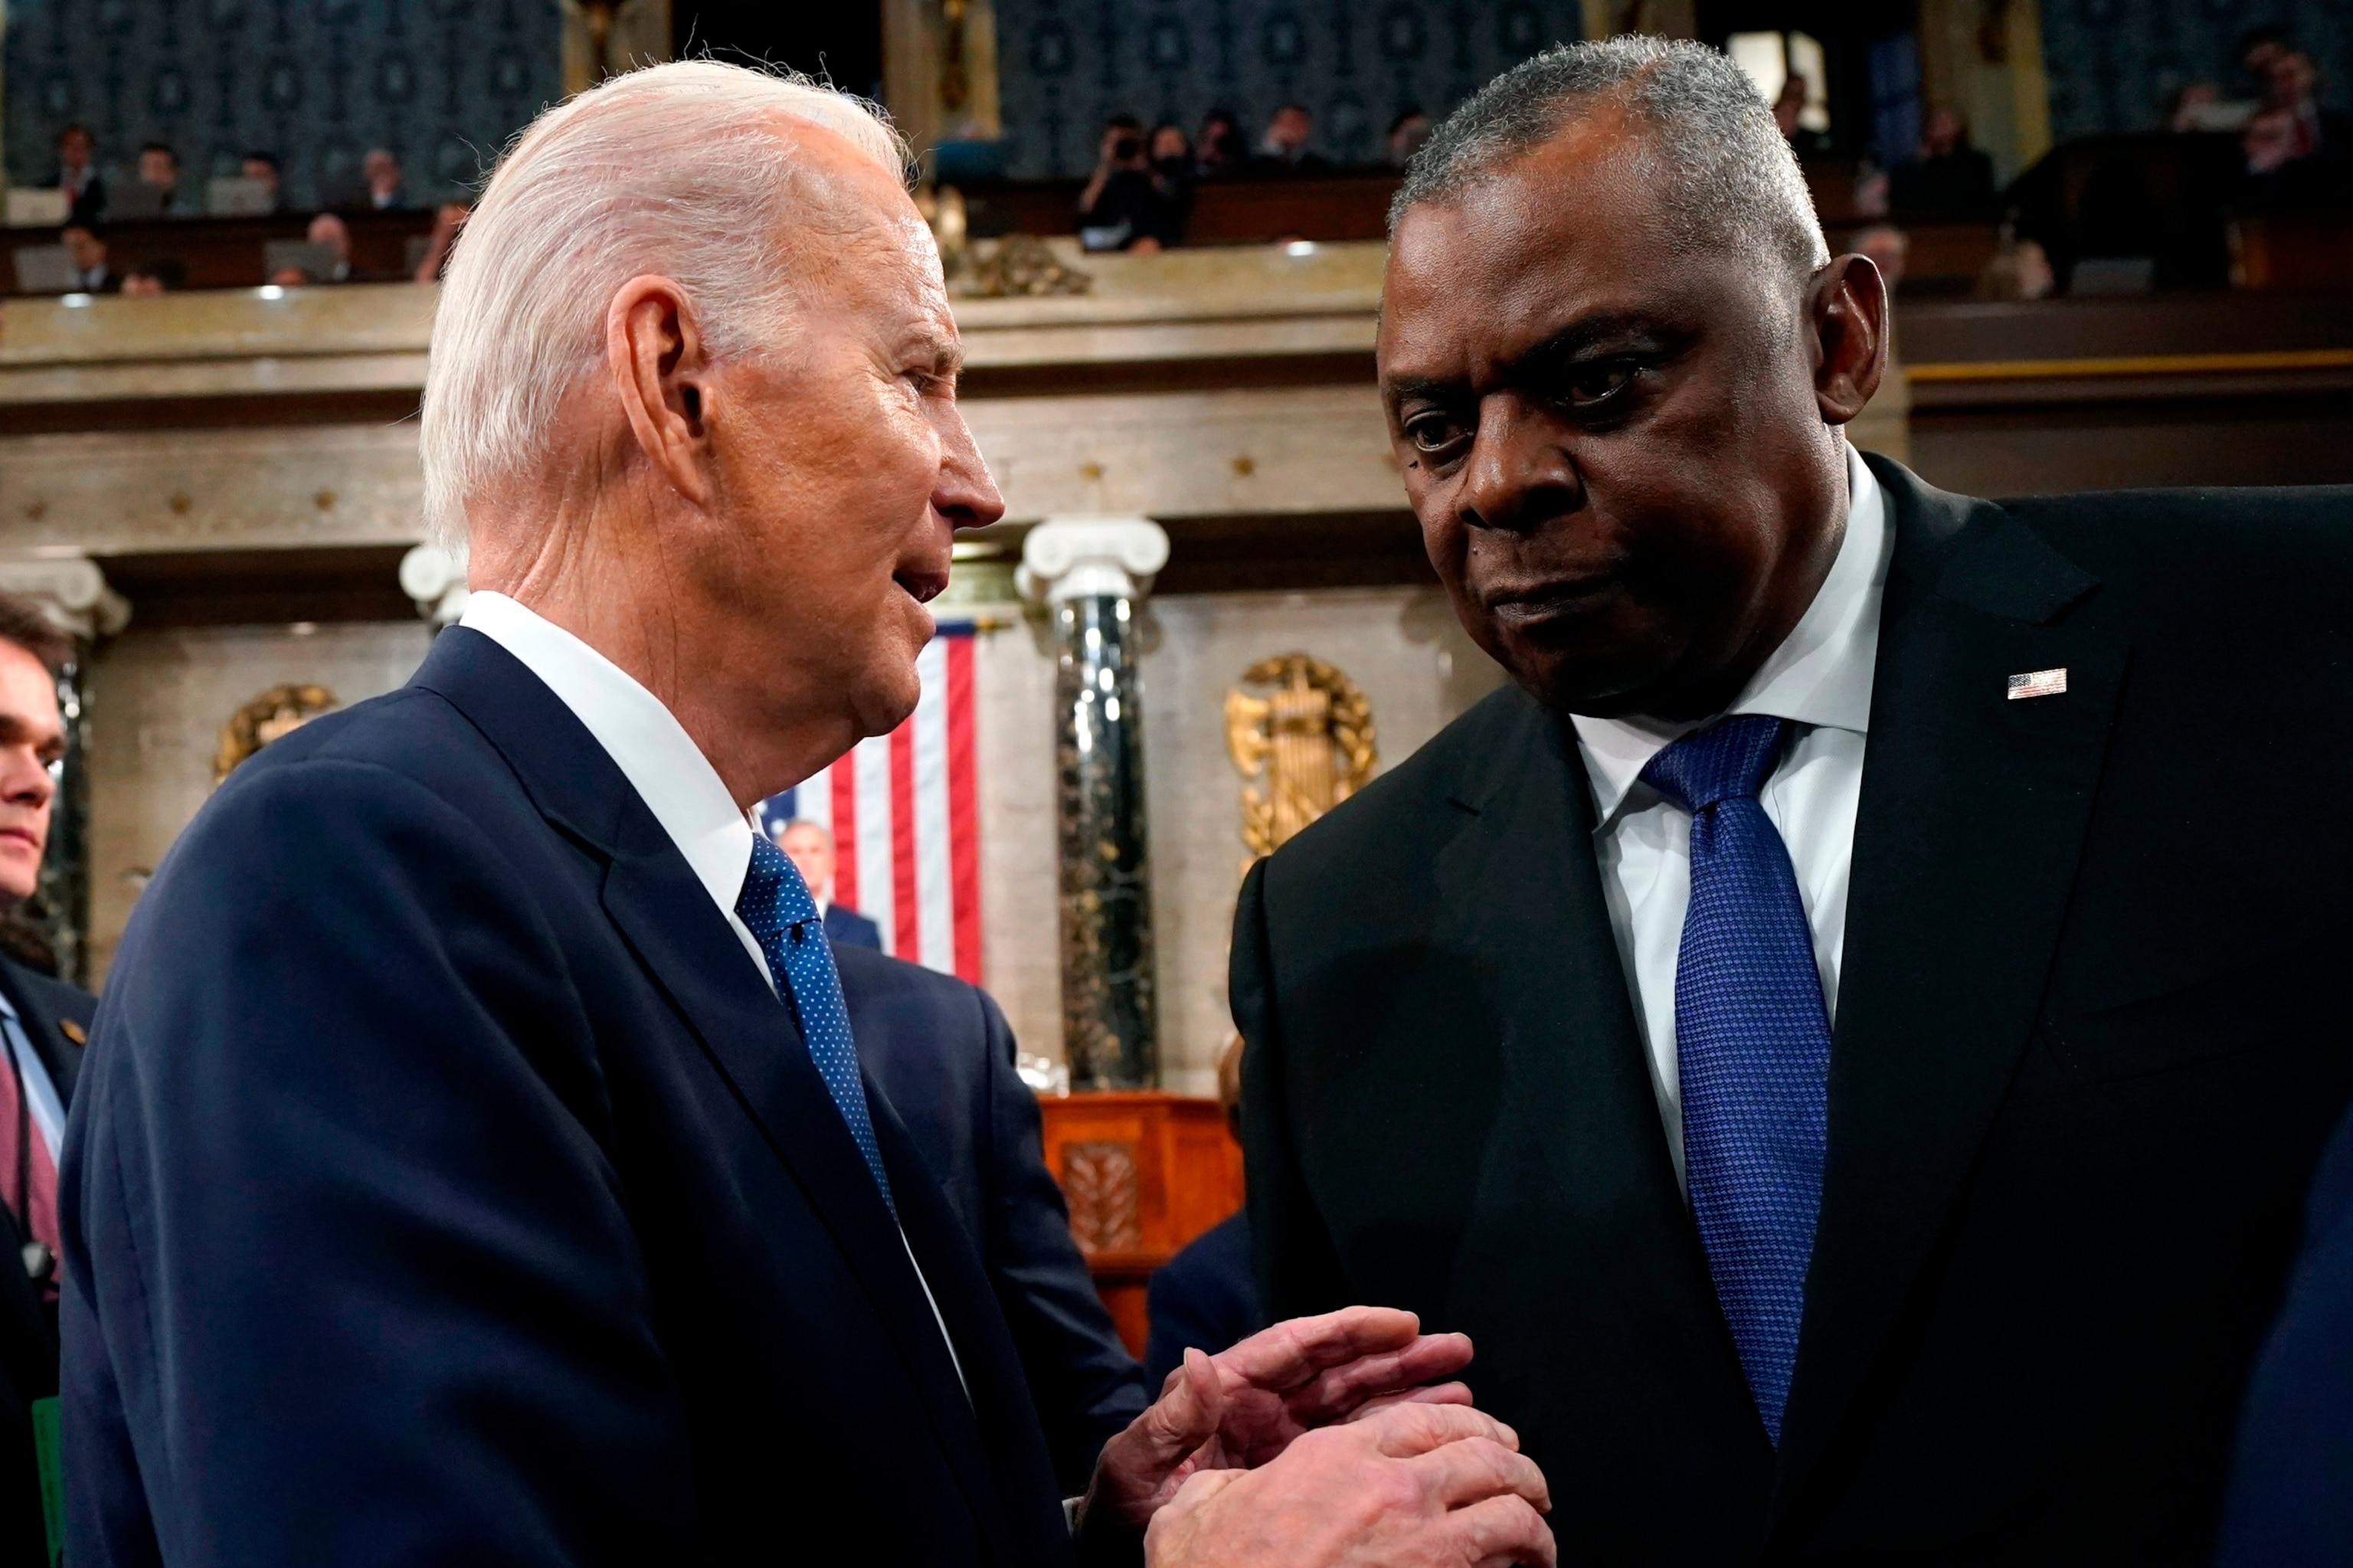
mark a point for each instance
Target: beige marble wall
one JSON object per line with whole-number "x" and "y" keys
{"x": 157, "y": 702}
{"x": 1401, "y": 645}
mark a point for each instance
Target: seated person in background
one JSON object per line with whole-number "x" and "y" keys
{"x": 809, "y": 846}
{"x": 1206, "y": 1297}
{"x": 2020, "y": 270}
{"x": 1947, "y": 177}
{"x": 329, "y": 230}
{"x": 161, "y": 275}
{"x": 943, "y": 1055}
{"x": 386, "y": 189}
{"x": 263, "y": 166}
{"x": 159, "y": 170}
{"x": 43, "y": 1025}
{"x": 1407, "y": 132}
{"x": 1172, "y": 176}
{"x": 77, "y": 177}
{"x": 1889, "y": 247}
{"x": 1123, "y": 206}
{"x": 87, "y": 245}
{"x": 2294, "y": 147}
{"x": 1221, "y": 150}
{"x": 1282, "y": 150}
{"x": 447, "y": 222}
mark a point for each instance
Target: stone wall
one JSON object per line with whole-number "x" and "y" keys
{"x": 157, "y": 702}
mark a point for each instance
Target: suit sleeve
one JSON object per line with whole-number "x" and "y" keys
{"x": 349, "y": 1275}
{"x": 1086, "y": 1386}
{"x": 1299, "y": 1270}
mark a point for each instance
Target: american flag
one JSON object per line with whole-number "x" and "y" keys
{"x": 904, "y": 813}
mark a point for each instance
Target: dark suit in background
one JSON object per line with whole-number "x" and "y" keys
{"x": 849, "y": 928}
{"x": 943, "y": 1055}
{"x": 448, "y": 1185}
{"x": 56, "y": 1017}
{"x": 1205, "y": 1297}
{"x": 2093, "y": 1030}
{"x": 2291, "y": 1499}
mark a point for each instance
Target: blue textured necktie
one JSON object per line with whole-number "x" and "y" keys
{"x": 1753, "y": 1048}
{"x": 775, "y": 905}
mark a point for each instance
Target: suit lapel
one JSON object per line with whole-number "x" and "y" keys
{"x": 1973, "y": 812}
{"x": 1521, "y": 886}
{"x": 666, "y": 914}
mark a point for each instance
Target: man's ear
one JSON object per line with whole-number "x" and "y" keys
{"x": 653, "y": 347}
{"x": 1848, "y": 311}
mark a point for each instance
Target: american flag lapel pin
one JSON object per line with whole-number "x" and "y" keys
{"x": 2038, "y": 684}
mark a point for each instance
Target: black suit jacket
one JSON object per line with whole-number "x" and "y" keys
{"x": 28, "y": 1338}
{"x": 2092, "y": 1030}
{"x": 1205, "y": 1297}
{"x": 447, "y": 1185}
{"x": 943, "y": 1055}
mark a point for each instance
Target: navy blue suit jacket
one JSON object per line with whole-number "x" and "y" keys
{"x": 1206, "y": 1297}
{"x": 2291, "y": 1498}
{"x": 849, "y": 928}
{"x": 943, "y": 1055}
{"x": 447, "y": 1185}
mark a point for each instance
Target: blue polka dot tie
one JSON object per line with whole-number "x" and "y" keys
{"x": 775, "y": 905}
{"x": 1753, "y": 1048}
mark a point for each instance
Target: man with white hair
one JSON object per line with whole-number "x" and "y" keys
{"x": 473, "y": 1163}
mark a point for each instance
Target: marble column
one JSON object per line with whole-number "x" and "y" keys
{"x": 73, "y": 591}
{"x": 435, "y": 580}
{"x": 1092, "y": 574}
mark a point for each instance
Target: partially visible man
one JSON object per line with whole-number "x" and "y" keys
{"x": 1843, "y": 1032}
{"x": 159, "y": 174}
{"x": 809, "y": 846}
{"x": 473, "y": 1162}
{"x": 86, "y": 249}
{"x": 77, "y": 177}
{"x": 264, "y": 167}
{"x": 1283, "y": 147}
{"x": 942, "y": 1054}
{"x": 43, "y": 1025}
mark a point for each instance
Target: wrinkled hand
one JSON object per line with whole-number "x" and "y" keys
{"x": 1244, "y": 1407}
{"x": 1410, "y": 1485}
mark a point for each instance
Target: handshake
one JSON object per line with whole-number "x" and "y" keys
{"x": 1318, "y": 1443}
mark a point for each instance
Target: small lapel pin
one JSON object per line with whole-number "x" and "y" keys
{"x": 73, "y": 1032}
{"x": 2038, "y": 684}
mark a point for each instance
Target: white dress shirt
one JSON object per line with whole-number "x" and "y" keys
{"x": 1820, "y": 678}
{"x": 663, "y": 765}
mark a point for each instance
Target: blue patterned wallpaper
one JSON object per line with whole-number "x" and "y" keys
{"x": 443, "y": 83}
{"x": 2113, "y": 64}
{"x": 1065, "y": 66}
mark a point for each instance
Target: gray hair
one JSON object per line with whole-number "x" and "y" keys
{"x": 1734, "y": 183}
{"x": 676, "y": 169}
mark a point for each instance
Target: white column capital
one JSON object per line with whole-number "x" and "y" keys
{"x": 70, "y": 588}
{"x": 1073, "y": 558}
{"x": 436, "y": 578}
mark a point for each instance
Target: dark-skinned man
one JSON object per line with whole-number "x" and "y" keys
{"x": 1828, "y": 1030}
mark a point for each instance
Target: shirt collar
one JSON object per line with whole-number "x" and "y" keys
{"x": 1819, "y": 676}
{"x": 643, "y": 737}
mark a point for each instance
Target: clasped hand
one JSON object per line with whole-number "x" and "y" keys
{"x": 1402, "y": 1471}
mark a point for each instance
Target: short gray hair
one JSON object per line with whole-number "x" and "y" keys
{"x": 1735, "y": 182}
{"x": 675, "y": 169}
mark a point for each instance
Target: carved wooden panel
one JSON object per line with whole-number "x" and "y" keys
{"x": 1099, "y": 1181}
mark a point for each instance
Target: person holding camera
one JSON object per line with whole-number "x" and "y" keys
{"x": 1128, "y": 203}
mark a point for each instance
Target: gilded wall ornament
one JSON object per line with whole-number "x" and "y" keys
{"x": 277, "y": 712}
{"x": 1305, "y": 748}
